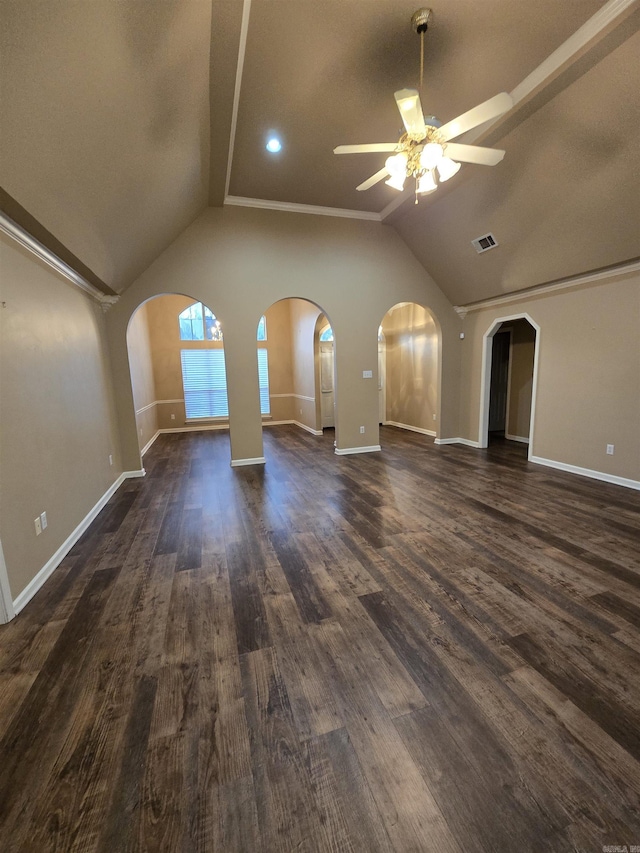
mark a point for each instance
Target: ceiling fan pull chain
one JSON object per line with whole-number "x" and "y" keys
{"x": 421, "y": 61}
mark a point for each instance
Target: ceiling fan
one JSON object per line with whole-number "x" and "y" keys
{"x": 424, "y": 152}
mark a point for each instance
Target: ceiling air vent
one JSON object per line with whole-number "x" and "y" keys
{"x": 483, "y": 244}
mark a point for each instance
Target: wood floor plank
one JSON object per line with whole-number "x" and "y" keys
{"x": 427, "y": 648}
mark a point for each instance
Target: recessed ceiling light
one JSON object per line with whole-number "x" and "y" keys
{"x": 274, "y": 145}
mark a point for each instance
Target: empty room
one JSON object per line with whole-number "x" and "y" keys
{"x": 319, "y": 426}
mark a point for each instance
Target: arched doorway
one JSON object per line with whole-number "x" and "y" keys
{"x": 509, "y": 378}
{"x": 178, "y": 369}
{"x": 408, "y": 368}
{"x": 327, "y": 374}
{"x": 297, "y": 373}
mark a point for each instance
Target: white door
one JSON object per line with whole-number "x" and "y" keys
{"x": 382, "y": 382}
{"x": 327, "y": 401}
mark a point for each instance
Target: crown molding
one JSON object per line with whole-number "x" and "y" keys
{"x": 18, "y": 233}
{"x": 541, "y": 289}
{"x": 290, "y": 207}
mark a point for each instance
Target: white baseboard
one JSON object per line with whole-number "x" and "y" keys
{"x": 521, "y": 438}
{"x": 294, "y": 423}
{"x": 256, "y": 460}
{"x": 587, "y": 472}
{"x": 411, "y": 428}
{"x": 348, "y": 451}
{"x": 149, "y": 443}
{"x": 7, "y": 611}
{"x": 49, "y": 567}
{"x": 466, "y": 441}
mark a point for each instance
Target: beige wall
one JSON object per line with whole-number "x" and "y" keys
{"x": 240, "y": 261}
{"x": 306, "y": 401}
{"x": 411, "y": 347}
{"x": 58, "y": 422}
{"x": 588, "y": 384}
{"x": 278, "y": 345}
{"x": 142, "y": 380}
{"x": 523, "y": 338}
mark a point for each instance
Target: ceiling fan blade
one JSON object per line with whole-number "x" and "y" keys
{"x": 368, "y": 147}
{"x": 473, "y": 154}
{"x": 374, "y": 179}
{"x": 486, "y": 111}
{"x": 408, "y": 101}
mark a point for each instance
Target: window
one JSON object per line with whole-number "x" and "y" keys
{"x": 263, "y": 381}
{"x": 204, "y": 376}
{"x": 205, "y": 383}
{"x": 326, "y": 334}
{"x": 198, "y": 323}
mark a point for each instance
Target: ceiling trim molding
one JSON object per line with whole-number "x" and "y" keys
{"x": 541, "y": 289}
{"x": 290, "y": 207}
{"x": 242, "y": 49}
{"x": 18, "y": 233}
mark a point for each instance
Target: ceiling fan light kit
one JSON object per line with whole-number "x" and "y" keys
{"x": 424, "y": 152}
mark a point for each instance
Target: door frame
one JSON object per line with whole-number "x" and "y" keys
{"x": 485, "y": 380}
{"x": 508, "y": 390}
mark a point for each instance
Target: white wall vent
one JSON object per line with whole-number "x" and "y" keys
{"x": 483, "y": 244}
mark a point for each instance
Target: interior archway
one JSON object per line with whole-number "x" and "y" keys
{"x": 409, "y": 343}
{"x": 178, "y": 371}
{"x": 295, "y": 371}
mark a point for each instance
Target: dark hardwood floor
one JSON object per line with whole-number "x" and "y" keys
{"x": 424, "y": 649}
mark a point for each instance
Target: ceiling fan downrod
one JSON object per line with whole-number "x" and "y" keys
{"x": 420, "y": 23}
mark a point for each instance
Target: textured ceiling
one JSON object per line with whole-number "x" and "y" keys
{"x": 118, "y": 124}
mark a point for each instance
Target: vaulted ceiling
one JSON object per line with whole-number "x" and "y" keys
{"x": 122, "y": 120}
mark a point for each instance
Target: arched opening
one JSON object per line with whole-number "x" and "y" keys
{"x": 509, "y": 373}
{"x": 178, "y": 370}
{"x": 408, "y": 368}
{"x": 326, "y": 380}
{"x": 292, "y": 362}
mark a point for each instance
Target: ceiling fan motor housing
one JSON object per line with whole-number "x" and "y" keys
{"x": 420, "y": 20}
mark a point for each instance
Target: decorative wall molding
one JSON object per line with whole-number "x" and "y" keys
{"x": 290, "y": 207}
{"x": 7, "y": 611}
{"x": 587, "y": 472}
{"x": 551, "y": 287}
{"x": 349, "y": 451}
{"x": 18, "y": 233}
{"x": 158, "y": 403}
{"x": 297, "y": 396}
{"x": 49, "y": 567}
{"x": 256, "y": 460}
{"x": 411, "y": 428}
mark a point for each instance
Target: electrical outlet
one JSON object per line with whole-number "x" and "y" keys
{"x": 110, "y": 459}
{"x": 367, "y": 374}
{"x": 36, "y": 521}
{"x": 173, "y": 417}
{"x": 43, "y": 520}
{"x": 610, "y": 449}
{"x": 361, "y": 430}
{"x": 434, "y": 416}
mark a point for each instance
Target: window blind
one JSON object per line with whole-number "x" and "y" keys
{"x": 205, "y": 383}
{"x": 263, "y": 381}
